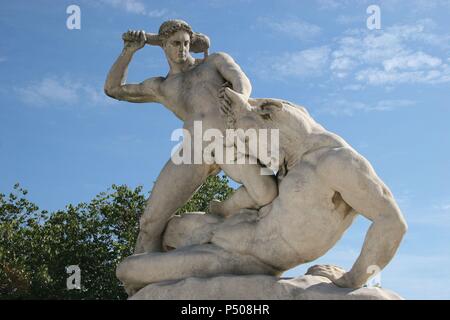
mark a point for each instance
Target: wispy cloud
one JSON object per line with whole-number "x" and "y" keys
{"x": 444, "y": 207}
{"x": 414, "y": 6}
{"x": 400, "y": 54}
{"x": 437, "y": 216}
{"x": 404, "y": 198}
{"x": 328, "y": 4}
{"x": 48, "y": 90}
{"x": 302, "y": 64}
{"x": 335, "y": 4}
{"x": 377, "y": 76}
{"x": 136, "y": 7}
{"x": 225, "y": 3}
{"x": 346, "y": 107}
{"x": 353, "y": 87}
{"x": 390, "y": 56}
{"x": 60, "y": 91}
{"x": 349, "y": 19}
{"x": 3, "y": 59}
{"x": 436, "y": 220}
{"x": 413, "y": 61}
{"x": 298, "y": 29}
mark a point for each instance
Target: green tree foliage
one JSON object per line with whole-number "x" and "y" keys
{"x": 36, "y": 246}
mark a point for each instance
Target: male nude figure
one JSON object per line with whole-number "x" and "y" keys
{"x": 323, "y": 185}
{"x": 190, "y": 91}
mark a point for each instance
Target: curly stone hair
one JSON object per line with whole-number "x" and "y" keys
{"x": 169, "y": 27}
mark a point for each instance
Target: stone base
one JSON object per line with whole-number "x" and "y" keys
{"x": 255, "y": 287}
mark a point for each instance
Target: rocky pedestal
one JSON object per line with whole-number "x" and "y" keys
{"x": 257, "y": 287}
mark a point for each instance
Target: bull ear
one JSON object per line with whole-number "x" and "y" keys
{"x": 266, "y": 108}
{"x": 239, "y": 101}
{"x": 235, "y": 97}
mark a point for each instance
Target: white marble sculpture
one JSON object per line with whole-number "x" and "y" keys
{"x": 271, "y": 223}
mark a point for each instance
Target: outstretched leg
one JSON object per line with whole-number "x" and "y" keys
{"x": 190, "y": 229}
{"x": 199, "y": 260}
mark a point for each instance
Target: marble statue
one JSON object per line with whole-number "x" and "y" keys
{"x": 272, "y": 222}
{"x": 190, "y": 91}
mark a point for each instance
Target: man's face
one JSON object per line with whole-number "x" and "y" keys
{"x": 177, "y": 47}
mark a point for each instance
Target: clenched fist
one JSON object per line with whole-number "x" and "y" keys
{"x": 134, "y": 40}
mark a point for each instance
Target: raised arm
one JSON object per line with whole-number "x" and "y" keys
{"x": 352, "y": 176}
{"x": 231, "y": 72}
{"x": 115, "y": 86}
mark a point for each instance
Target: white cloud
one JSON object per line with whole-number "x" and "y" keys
{"x": 303, "y": 63}
{"x": 340, "y": 65}
{"x": 437, "y": 216}
{"x": 349, "y": 108}
{"x": 309, "y": 62}
{"x": 353, "y": 87}
{"x": 375, "y": 76}
{"x": 400, "y": 54}
{"x": 60, "y": 91}
{"x": 390, "y": 56}
{"x": 404, "y": 199}
{"x": 347, "y": 19}
{"x": 340, "y": 4}
{"x": 48, "y": 90}
{"x": 420, "y": 6}
{"x": 136, "y": 7}
{"x": 414, "y": 61}
{"x": 328, "y": 4}
{"x": 389, "y": 105}
{"x": 156, "y": 13}
{"x": 410, "y": 6}
{"x": 336, "y": 4}
{"x": 132, "y": 6}
{"x": 298, "y": 29}
{"x": 225, "y": 3}
{"x": 436, "y": 220}
{"x": 3, "y": 59}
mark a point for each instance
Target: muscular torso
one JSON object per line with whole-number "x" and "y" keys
{"x": 300, "y": 225}
{"x": 193, "y": 95}
{"x": 308, "y": 217}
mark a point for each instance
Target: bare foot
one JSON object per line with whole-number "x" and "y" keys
{"x": 131, "y": 289}
{"x": 336, "y": 274}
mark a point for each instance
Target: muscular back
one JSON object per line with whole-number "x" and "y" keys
{"x": 299, "y": 133}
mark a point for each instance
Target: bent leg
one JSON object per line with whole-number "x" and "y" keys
{"x": 240, "y": 199}
{"x": 173, "y": 188}
{"x": 194, "y": 261}
{"x": 257, "y": 190}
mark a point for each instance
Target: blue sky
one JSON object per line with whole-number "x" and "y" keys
{"x": 385, "y": 91}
